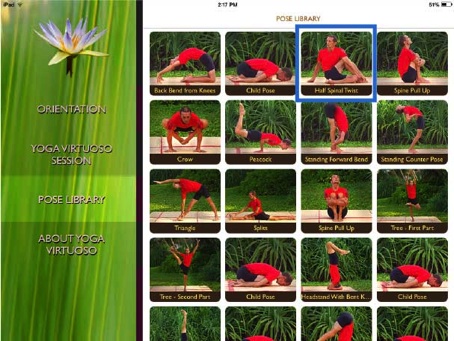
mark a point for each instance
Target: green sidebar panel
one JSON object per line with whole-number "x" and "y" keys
{"x": 68, "y": 147}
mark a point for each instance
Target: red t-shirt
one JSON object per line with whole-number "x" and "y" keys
{"x": 410, "y": 338}
{"x": 412, "y": 111}
{"x": 421, "y": 275}
{"x": 346, "y": 333}
{"x": 176, "y": 122}
{"x": 255, "y": 204}
{"x": 341, "y": 119}
{"x": 406, "y": 56}
{"x": 187, "y": 258}
{"x": 259, "y": 338}
{"x": 411, "y": 191}
{"x": 192, "y": 53}
{"x": 187, "y": 186}
{"x": 273, "y": 140}
{"x": 263, "y": 269}
{"x": 330, "y": 58}
{"x": 330, "y": 190}
{"x": 269, "y": 68}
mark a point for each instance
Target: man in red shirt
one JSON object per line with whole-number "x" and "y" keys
{"x": 337, "y": 199}
{"x": 184, "y": 121}
{"x": 337, "y": 120}
{"x": 334, "y": 273}
{"x": 259, "y": 275}
{"x": 260, "y": 70}
{"x": 258, "y": 338}
{"x": 412, "y": 276}
{"x": 257, "y": 211}
{"x": 343, "y": 327}
{"x": 332, "y": 60}
{"x": 192, "y": 53}
{"x": 188, "y": 186}
{"x": 256, "y": 136}
{"x": 412, "y": 201}
{"x": 409, "y": 338}
{"x": 409, "y": 114}
{"x": 185, "y": 261}
{"x": 409, "y": 63}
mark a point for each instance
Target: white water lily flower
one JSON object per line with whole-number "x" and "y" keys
{"x": 71, "y": 43}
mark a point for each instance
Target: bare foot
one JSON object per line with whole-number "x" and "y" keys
{"x": 339, "y": 151}
{"x": 199, "y": 151}
{"x": 184, "y": 312}
{"x": 187, "y": 78}
{"x": 412, "y": 151}
{"x": 259, "y": 151}
{"x": 422, "y": 80}
{"x": 171, "y": 150}
{"x": 412, "y": 219}
{"x": 344, "y": 252}
{"x": 216, "y": 218}
{"x": 329, "y": 81}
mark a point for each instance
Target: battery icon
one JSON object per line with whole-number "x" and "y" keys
{"x": 446, "y": 4}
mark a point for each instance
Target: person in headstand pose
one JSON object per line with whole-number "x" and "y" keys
{"x": 334, "y": 273}
{"x": 184, "y": 336}
{"x": 185, "y": 261}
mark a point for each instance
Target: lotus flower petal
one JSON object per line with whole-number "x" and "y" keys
{"x": 68, "y": 43}
{"x": 94, "y": 53}
{"x": 49, "y": 37}
{"x": 78, "y": 30}
{"x": 59, "y": 56}
{"x": 86, "y": 38}
{"x": 68, "y": 28}
{"x": 95, "y": 38}
{"x": 55, "y": 31}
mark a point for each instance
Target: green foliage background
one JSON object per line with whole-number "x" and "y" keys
{"x": 432, "y": 188}
{"x": 431, "y": 46}
{"x": 279, "y": 323}
{"x": 315, "y": 321}
{"x": 430, "y": 323}
{"x": 358, "y": 182}
{"x": 392, "y": 129}
{"x": 357, "y": 45}
{"x": 429, "y": 253}
{"x": 203, "y": 323}
{"x": 278, "y": 252}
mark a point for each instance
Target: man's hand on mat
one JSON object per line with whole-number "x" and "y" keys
{"x": 311, "y": 80}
